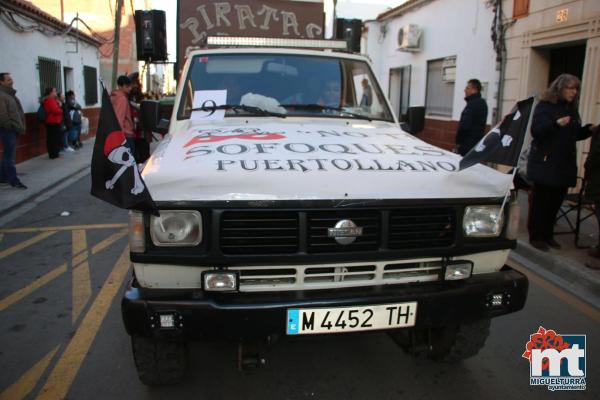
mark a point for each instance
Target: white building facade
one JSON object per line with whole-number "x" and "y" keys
{"x": 545, "y": 38}
{"x": 425, "y": 51}
{"x": 40, "y": 51}
{"x": 24, "y": 53}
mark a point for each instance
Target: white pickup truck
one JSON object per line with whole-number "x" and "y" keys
{"x": 292, "y": 203}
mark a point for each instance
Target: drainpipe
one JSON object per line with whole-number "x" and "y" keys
{"x": 115, "y": 65}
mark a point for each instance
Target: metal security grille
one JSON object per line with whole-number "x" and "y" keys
{"x": 440, "y": 94}
{"x": 90, "y": 81}
{"x": 50, "y": 74}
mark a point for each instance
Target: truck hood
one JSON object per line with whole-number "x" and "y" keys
{"x": 308, "y": 159}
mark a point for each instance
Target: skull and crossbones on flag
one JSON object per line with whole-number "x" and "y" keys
{"x": 117, "y": 152}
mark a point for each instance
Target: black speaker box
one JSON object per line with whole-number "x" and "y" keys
{"x": 350, "y": 31}
{"x": 416, "y": 119}
{"x": 151, "y": 35}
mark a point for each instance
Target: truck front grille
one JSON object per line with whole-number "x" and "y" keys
{"x": 254, "y": 232}
{"x": 337, "y": 276}
{"x": 422, "y": 228}
{"x": 265, "y": 232}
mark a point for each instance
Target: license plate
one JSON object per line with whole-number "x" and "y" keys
{"x": 301, "y": 321}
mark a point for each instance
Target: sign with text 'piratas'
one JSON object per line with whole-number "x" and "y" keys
{"x": 263, "y": 18}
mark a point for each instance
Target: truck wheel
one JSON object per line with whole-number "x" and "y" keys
{"x": 448, "y": 344}
{"x": 451, "y": 344}
{"x": 159, "y": 362}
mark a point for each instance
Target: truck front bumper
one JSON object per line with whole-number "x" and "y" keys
{"x": 248, "y": 315}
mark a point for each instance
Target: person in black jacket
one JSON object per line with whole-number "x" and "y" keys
{"x": 592, "y": 191}
{"x": 74, "y": 111}
{"x": 472, "y": 120}
{"x": 67, "y": 123}
{"x": 552, "y": 162}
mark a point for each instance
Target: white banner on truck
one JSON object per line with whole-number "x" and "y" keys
{"x": 276, "y": 159}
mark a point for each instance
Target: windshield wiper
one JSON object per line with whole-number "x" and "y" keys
{"x": 240, "y": 107}
{"x": 320, "y": 107}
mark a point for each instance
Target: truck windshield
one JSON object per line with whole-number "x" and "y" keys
{"x": 292, "y": 85}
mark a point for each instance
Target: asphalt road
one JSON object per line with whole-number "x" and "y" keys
{"x": 61, "y": 334}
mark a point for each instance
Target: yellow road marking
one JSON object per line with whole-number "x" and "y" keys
{"x": 28, "y": 380}
{"x": 25, "y": 244}
{"x": 82, "y": 287}
{"x": 571, "y": 300}
{"x": 79, "y": 242}
{"x": 35, "y": 285}
{"x": 63, "y": 228}
{"x": 62, "y": 376}
{"x": 79, "y": 258}
{"x": 108, "y": 241}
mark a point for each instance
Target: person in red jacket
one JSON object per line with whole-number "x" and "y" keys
{"x": 54, "y": 116}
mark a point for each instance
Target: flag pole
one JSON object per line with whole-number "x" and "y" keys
{"x": 508, "y": 192}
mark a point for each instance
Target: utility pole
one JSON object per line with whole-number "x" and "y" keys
{"x": 116, "y": 43}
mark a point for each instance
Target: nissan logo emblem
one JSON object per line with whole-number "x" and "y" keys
{"x": 345, "y": 231}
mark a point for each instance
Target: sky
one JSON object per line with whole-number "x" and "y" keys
{"x": 361, "y": 9}
{"x": 365, "y": 9}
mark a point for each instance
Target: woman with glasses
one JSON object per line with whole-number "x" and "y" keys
{"x": 552, "y": 163}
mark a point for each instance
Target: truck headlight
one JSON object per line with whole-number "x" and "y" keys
{"x": 176, "y": 228}
{"x": 482, "y": 221}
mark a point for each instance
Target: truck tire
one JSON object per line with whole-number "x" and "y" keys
{"x": 452, "y": 344}
{"x": 448, "y": 344}
{"x": 159, "y": 362}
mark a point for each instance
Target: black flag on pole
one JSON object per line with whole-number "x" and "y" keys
{"x": 503, "y": 143}
{"x": 115, "y": 175}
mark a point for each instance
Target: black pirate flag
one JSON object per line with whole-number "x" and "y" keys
{"x": 503, "y": 143}
{"x": 115, "y": 175}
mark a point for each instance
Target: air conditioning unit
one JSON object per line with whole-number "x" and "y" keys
{"x": 409, "y": 38}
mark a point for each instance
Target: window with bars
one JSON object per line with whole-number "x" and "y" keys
{"x": 440, "y": 94}
{"x": 520, "y": 8}
{"x": 90, "y": 82}
{"x": 50, "y": 74}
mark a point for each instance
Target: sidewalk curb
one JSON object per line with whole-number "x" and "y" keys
{"x": 41, "y": 175}
{"x": 567, "y": 273}
{"x": 42, "y": 190}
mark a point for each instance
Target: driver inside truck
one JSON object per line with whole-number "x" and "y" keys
{"x": 332, "y": 94}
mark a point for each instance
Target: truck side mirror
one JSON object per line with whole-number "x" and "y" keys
{"x": 415, "y": 120}
{"x": 150, "y": 117}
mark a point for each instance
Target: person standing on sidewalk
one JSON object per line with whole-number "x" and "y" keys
{"x": 75, "y": 115}
{"x": 53, "y": 122}
{"x": 120, "y": 102}
{"x": 552, "y": 162}
{"x": 592, "y": 191}
{"x": 67, "y": 124}
{"x": 12, "y": 123}
{"x": 471, "y": 126}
